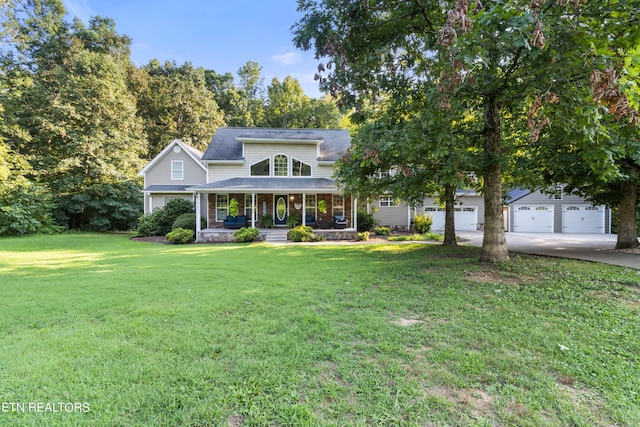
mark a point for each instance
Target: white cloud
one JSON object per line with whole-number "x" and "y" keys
{"x": 289, "y": 58}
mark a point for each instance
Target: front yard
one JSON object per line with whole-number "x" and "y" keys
{"x": 206, "y": 335}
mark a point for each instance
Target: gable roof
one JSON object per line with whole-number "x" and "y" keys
{"x": 194, "y": 153}
{"x": 226, "y": 144}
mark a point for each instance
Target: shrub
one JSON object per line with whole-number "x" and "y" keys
{"x": 188, "y": 220}
{"x": 303, "y": 233}
{"x": 245, "y": 235}
{"x": 362, "y": 236}
{"x": 180, "y": 236}
{"x": 160, "y": 222}
{"x": 382, "y": 231}
{"x": 366, "y": 220}
{"x": 422, "y": 224}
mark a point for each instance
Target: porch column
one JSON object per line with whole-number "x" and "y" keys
{"x": 253, "y": 210}
{"x": 408, "y": 217}
{"x": 304, "y": 209}
{"x": 354, "y": 212}
{"x": 198, "y": 225}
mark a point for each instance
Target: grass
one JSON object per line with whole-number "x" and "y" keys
{"x": 230, "y": 335}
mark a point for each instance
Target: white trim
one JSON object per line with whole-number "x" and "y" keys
{"x": 278, "y": 141}
{"x": 198, "y": 225}
{"x": 168, "y": 148}
{"x": 224, "y": 162}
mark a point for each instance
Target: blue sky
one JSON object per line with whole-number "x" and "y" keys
{"x": 216, "y": 34}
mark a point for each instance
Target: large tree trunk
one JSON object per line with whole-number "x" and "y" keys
{"x": 628, "y": 227}
{"x": 494, "y": 245}
{"x": 449, "y": 221}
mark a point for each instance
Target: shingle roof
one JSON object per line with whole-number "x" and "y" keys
{"x": 167, "y": 188}
{"x": 270, "y": 184}
{"x": 226, "y": 146}
{"x": 516, "y": 194}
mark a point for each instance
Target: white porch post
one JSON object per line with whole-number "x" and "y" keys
{"x": 354, "y": 212}
{"x": 253, "y": 210}
{"x": 198, "y": 225}
{"x": 304, "y": 209}
{"x": 408, "y": 217}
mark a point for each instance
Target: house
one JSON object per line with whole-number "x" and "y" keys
{"x": 281, "y": 174}
{"x": 285, "y": 174}
{"x": 525, "y": 211}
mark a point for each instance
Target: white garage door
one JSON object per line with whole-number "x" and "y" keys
{"x": 466, "y": 218}
{"x": 582, "y": 219}
{"x": 533, "y": 219}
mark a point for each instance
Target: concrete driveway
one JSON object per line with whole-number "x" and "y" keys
{"x": 588, "y": 247}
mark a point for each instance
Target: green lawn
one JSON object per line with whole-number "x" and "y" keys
{"x": 230, "y": 335}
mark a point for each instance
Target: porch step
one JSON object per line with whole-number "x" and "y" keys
{"x": 276, "y": 236}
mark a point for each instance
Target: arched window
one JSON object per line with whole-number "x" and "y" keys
{"x": 280, "y": 165}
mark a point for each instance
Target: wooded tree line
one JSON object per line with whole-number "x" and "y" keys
{"x": 78, "y": 120}
{"x": 513, "y": 92}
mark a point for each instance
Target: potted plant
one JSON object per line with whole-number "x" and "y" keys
{"x": 233, "y": 207}
{"x": 266, "y": 221}
{"x": 293, "y": 220}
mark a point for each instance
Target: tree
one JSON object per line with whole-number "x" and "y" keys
{"x": 176, "y": 104}
{"x": 74, "y": 117}
{"x": 251, "y": 90}
{"x": 489, "y": 57}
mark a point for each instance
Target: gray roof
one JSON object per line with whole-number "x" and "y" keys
{"x": 225, "y": 144}
{"x": 516, "y": 194}
{"x": 167, "y": 188}
{"x": 261, "y": 184}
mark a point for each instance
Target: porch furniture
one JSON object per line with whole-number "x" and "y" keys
{"x": 310, "y": 220}
{"x": 235, "y": 221}
{"x": 339, "y": 222}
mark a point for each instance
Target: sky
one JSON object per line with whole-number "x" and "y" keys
{"x": 221, "y": 35}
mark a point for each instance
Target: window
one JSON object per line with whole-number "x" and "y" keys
{"x": 558, "y": 193}
{"x": 338, "y": 205}
{"x": 177, "y": 173}
{"x": 222, "y": 207}
{"x": 388, "y": 201}
{"x": 310, "y": 205}
{"x": 260, "y": 168}
{"x": 299, "y": 168}
{"x": 280, "y": 165}
{"x": 248, "y": 209}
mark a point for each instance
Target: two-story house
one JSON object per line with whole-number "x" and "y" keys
{"x": 276, "y": 173}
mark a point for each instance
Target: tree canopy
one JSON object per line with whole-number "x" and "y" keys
{"x": 487, "y": 63}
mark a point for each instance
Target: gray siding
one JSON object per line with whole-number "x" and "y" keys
{"x": 160, "y": 172}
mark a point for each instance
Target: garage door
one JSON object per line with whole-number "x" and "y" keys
{"x": 533, "y": 219}
{"x": 466, "y": 218}
{"x": 582, "y": 219}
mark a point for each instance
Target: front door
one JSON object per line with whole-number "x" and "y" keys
{"x": 281, "y": 204}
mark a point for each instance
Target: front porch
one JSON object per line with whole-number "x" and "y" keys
{"x": 271, "y": 235}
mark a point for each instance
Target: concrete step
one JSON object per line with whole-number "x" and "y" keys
{"x": 276, "y": 236}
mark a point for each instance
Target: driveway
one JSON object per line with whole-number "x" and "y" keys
{"x": 588, "y": 247}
